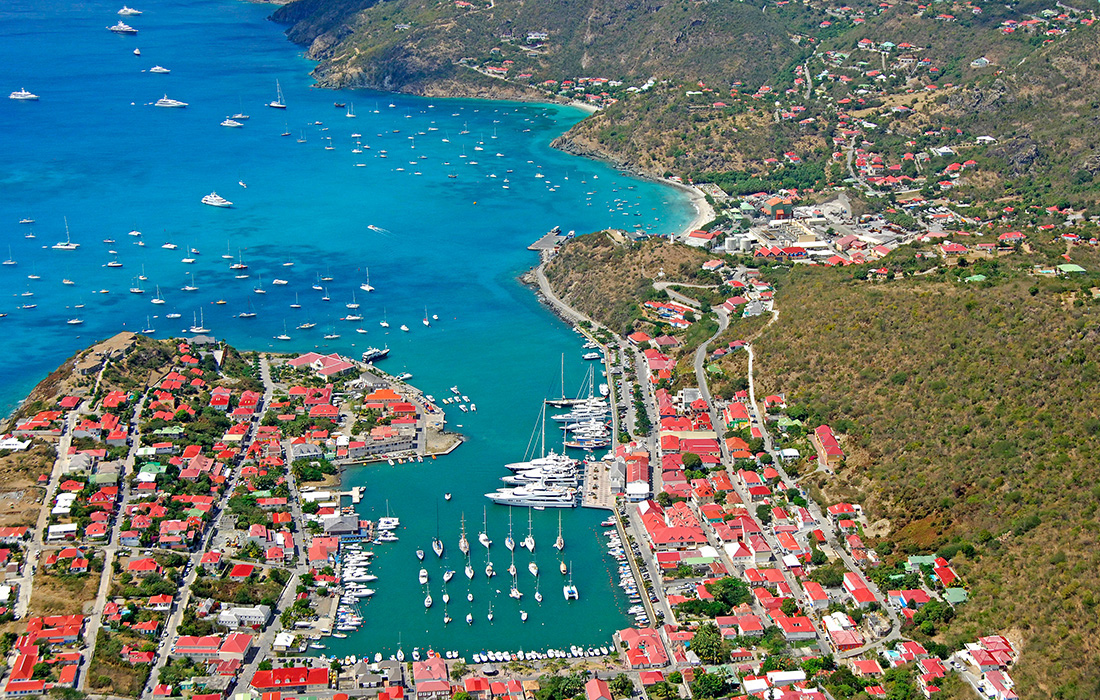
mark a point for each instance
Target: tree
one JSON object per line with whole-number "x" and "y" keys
{"x": 764, "y": 514}
{"x": 789, "y": 607}
{"x": 621, "y": 686}
{"x": 708, "y": 685}
{"x": 730, "y": 591}
{"x": 692, "y": 460}
{"x": 817, "y": 557}
{"x": 664, "y": 499}
{"x": 458, "y": 670}
{"x": 264, "y": 665}
{"x": 709, "y": 645}
{"x": 461, "y": 695}
{"x": 663, "y": 690}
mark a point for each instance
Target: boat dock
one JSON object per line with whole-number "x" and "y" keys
{"x": 597, "y": 487}
{"x": 548, "y": 242}
{"x": 356, "y": 494}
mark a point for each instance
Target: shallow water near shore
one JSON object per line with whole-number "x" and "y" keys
{"x": 94, "y": 151}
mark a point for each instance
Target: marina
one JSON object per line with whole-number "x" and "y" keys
{"x": 344, "y": 221}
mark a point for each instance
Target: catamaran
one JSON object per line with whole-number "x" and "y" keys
{"x": 68, "y": 244}
{"x": 569, "y": 590}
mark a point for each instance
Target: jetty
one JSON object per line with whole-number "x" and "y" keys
{"x": 549, "y": 242}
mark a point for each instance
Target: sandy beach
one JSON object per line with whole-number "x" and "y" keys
{"x": 704, "y": 212}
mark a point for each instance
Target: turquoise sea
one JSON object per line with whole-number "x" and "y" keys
{"x": 93, "y": 151}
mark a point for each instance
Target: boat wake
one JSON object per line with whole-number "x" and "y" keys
{"x": 378, "y": 229}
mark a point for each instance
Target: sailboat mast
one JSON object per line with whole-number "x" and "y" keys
{"x": 563, "y": 376}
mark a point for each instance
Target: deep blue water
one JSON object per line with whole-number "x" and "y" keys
{"x": 94, "y": 151}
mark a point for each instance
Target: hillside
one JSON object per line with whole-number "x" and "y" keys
{"x": 609, "y": 281}
{"x": 414, "y": 45}
{"x": 967, "y": 412}
{"x": 970, "y": 418}
{"x": 703, "y": 90}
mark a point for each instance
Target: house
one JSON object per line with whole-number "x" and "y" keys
{"x": 294, "y": 679}
{"x": 244, "y": 616}
{"x": 867, "y": 668}
{"x": 644, "y": 647}
{"x": 596, "y": 689}
{"x": 143, "y": 567}
{"x": 827, "y": 446}
{"x": 431, "y": 680}
{"x": 796, "y": 628}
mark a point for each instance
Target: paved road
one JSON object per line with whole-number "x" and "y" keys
{"x": 176, "y": 616}
{"x": 819, "y": 516}
{"x": 682, "y": 298}
{"x": 111, "y": 547}
{"x": 568, "y": 312}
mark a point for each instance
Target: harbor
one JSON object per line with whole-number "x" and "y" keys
{"x": 315, "y": 224}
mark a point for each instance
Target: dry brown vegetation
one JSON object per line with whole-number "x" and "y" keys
{"x": 970, "y": 415}
{"x": 56, "y": 595}
{"x": 20, "y": 496}
{"x": 108, "y": 673}
{"x": 609, "y": 281}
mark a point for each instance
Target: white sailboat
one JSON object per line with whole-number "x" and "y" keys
{"x": 529, "y": 541}
{"x": 278, "y": 102}
{"x": 509, "y": 541}
{"x": 200, "y": 326}
{"x": 68, "y": 244}
{"x": 569, "y": 590}
{"x": 483, "y": 536}
{"x": 559, "y": 544}
{"x": 463, "y": 543}
{"x": 366, "y": 286}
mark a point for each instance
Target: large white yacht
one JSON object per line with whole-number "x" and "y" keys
{"x": 169, "y": 102}
{"x": 122, "y": 28}
{"x": 216, "y": 200}
{"x": 22, "y": 94}
{"x": 159, "y": 69}
{"x": 532, "y": 495}
{"x": 550, "y": 460}
{"x": 128, "y": 11}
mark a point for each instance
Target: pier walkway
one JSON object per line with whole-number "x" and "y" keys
{"x": 548, "y": 242}
{"x": 597, "y": 486}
